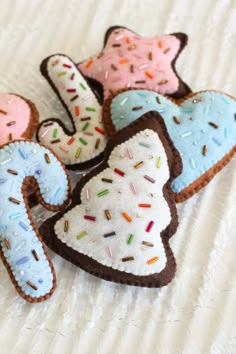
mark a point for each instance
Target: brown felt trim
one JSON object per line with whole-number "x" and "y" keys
{"x": 200, "y": 182}
{"x": 183, "y": 88}
{"x": 150, "y": 120}
{"x": 31, "y": 181}
{"x": 44, "y": 71}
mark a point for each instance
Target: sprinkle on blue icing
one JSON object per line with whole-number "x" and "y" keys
{"x": 15, "y": 225}
{"x": 194, "y": 117}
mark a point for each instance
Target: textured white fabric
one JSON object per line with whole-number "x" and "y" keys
{"x": 195, "y": 314}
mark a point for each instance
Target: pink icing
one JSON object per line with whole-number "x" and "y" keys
{"x": 14, "y": 117}
{"x": 124, "y": 44}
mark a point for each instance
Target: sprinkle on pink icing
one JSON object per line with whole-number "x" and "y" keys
{"x": 18, "y": 111}
{"x": 125, "y": 44}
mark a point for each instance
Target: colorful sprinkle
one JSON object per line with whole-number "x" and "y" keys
{"x": 34, "y": 253}
{"x": 176, "y": 120}
{"x": 148, "y": 74}
{"x": 32, "y": 285}
{"x": 109, "y": 234}
{"x": 13, "y": 172}
{"x": 123, "y": 61}
{"x": 103, "y": 193}
{"x": 89, "y": 217}
{"x": 126, "y": 217}
{"x": 9, "y": 124}
{"x": 74, "y": 98}
{"x": 99, "y": 130}
{"x": 146, "y": 243}
{"x": 108, "y": 180}
{"x": 90, "y": 109}
{"x": 84, "y": 142}
{"x": 109, "y": 251}
{"x": 55, "y": 141}
{"x": 149, "y": 226}
{"x": 23, "y": 154}
{"x": 47, "y": 158}
{"x": 150, "y": 179}
{"x": 3, "y": 112}
{"x": 82, "y": 86}
{"x": 137, "y": 108}
{"x": 130, "y": 239}
{"x": 119, "y": 172}
{"x": 144, "y": 205}
{"x": 191, "y": 162}
{"x": 61, "y": 73}
{"x": 158, "y": 164}
{"x": 7, "y": 243}
{"x": 87, "y": 193}
{"x": 107, "y": 214}
{"x": 152, "y": 260}
{"x": 78, "y": 152}
{"x": 127, "y": 259}
{"x": 89, "y": 63}
{"x": 144, "y": 145}
{"x": 129, "y": 153}
{"x": 22, "y": 260}
{"x": 54, "y": 133}
{"x": 217, "y": 142}
{"x": 133, "y": 187}
{"x": 70, "y": 141}
{"x": 66, "y": 226}
{"x": 81, "y": 235}
{"x": 77, "y": 111}
{"x": 124, "y": 101}
{"x": 14, "y": 216}
{"x": 204, "y": 150}
{"x": 14, "y": 200}
{"x": 186, "y": 134}
{"x": 139, "y": 164}
{"x": 214, "y": 125}
{"x": 97, "y": 143}
{"x": 44, "y": 133}
{"x": 86, "y": 125}
{"x": 3, "y": 162}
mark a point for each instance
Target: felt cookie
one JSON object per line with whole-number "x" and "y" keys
{"x": 18, "y": 117}
{"x": 202, "y": 127}
{"x": 21, "y": 248}
{"x": 128, "y": 60}
{"x": 84, "y": 145}
{"x": 123, "y": 213}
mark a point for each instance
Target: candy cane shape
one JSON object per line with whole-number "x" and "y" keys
{"x": 21, "y": 248}
{"x": 84, "y": 145}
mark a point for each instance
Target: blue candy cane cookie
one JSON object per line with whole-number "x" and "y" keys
{"x": 21, "y": 248}
{"x": 202, "y": 127}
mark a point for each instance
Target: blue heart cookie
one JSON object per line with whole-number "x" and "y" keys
{"x": 202, "y": 128}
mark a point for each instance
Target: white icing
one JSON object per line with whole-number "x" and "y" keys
{"x": 86, "y": 98}
{"x": 94, "y": 244}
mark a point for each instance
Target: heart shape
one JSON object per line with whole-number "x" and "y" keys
{"x": 202, "y": 127}
{"x": 84, "y": 145}
{"x": 123, "y": 213}
{"x": 18, "y": 118}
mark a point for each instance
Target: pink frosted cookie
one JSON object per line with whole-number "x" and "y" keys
{"x": 18, "y": 117}
{"x": 128, "y": 60}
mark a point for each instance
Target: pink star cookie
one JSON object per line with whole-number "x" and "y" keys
{"x": 129, "y": 60}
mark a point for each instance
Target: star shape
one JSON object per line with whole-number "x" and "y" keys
{"x": 131, "y": 61}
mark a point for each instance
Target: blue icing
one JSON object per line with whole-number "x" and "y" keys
{"x": 194, "y": 130}
{"x": 26, "y": 158}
